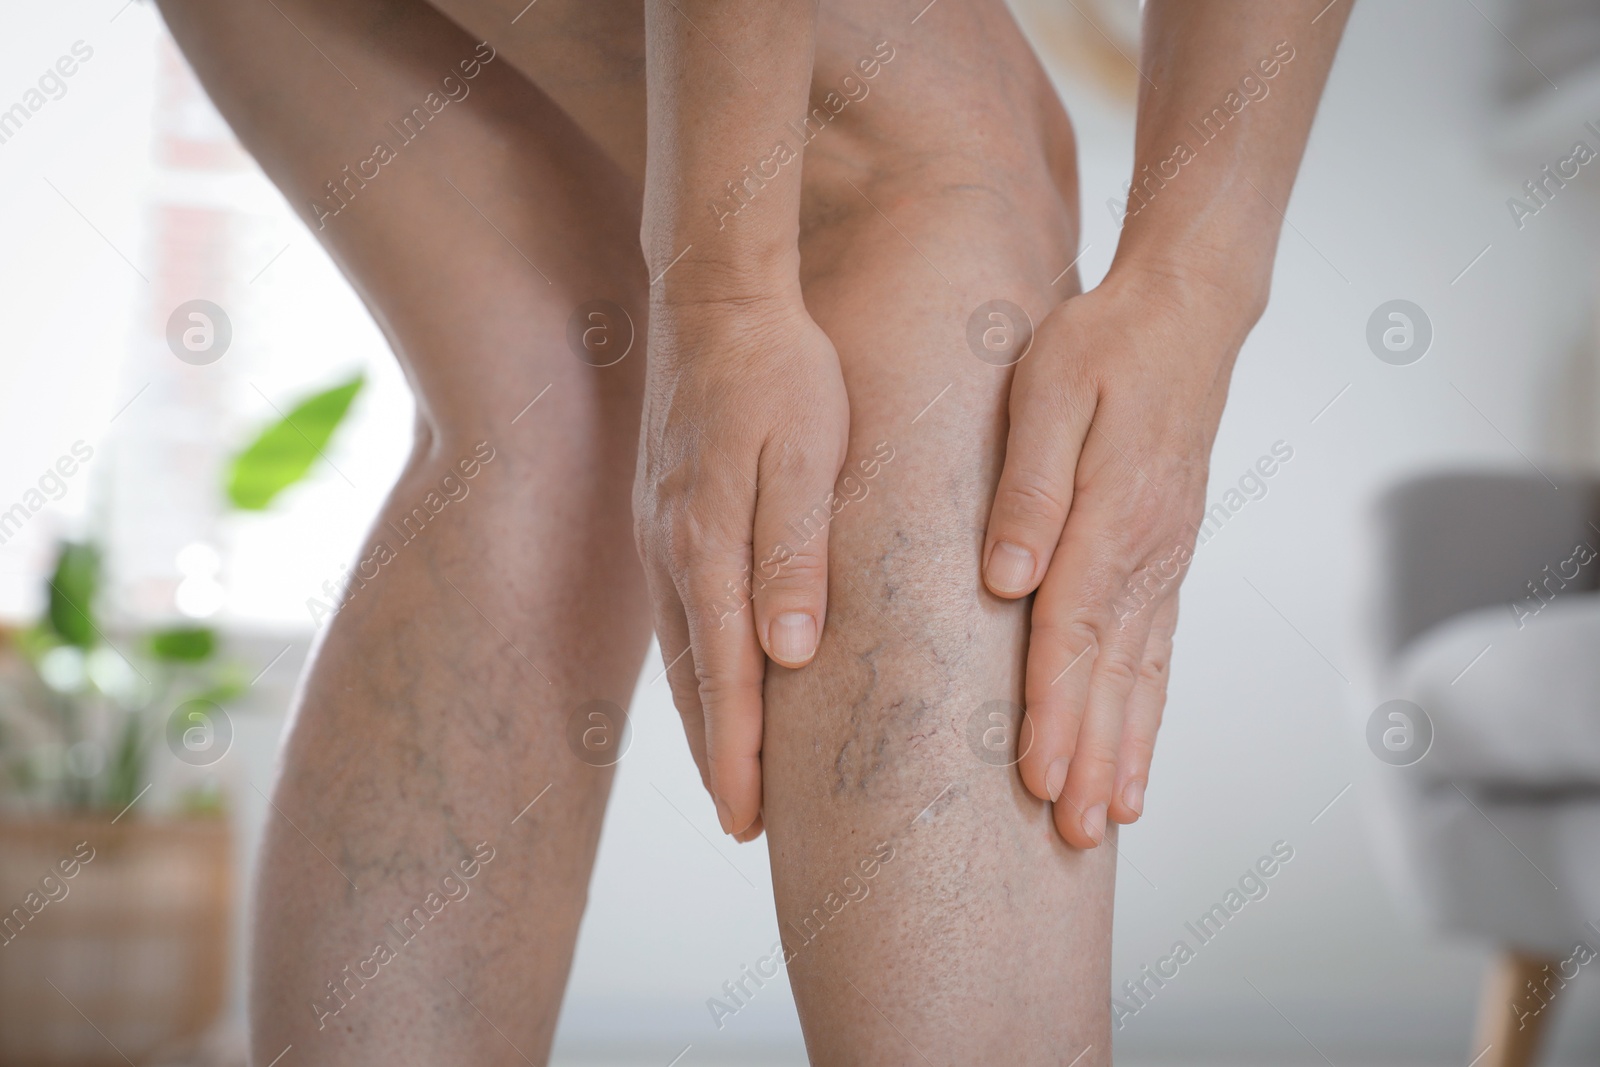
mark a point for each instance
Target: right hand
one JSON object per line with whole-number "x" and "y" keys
{"x": 745, "y": 428}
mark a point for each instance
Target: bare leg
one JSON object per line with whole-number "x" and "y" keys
{"x": 438, "y": 705}
{"x": 979, "y": 931}
{"x": 984, "y": 934}
{"x": 932, "y": 912}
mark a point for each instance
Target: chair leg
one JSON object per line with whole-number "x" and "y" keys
{"x": 1514, "y": 1010}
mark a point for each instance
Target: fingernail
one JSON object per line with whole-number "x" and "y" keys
{"x": 1094, "y": 823}
{"x": 792, "y": 638}
{"x": 1055, "y": 777}
{"x": 724, "y": 816}
{"x": 1010, "y": 568}
{"x": 1133, "y": 796}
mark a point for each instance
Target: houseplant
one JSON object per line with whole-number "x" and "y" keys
{"x": 116, "y": 911}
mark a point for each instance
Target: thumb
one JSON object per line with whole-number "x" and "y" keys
{"x": 795, "y": 506}
{"x": 1035, "y": 491}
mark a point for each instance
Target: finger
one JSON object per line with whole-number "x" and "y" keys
{"x": 1061, "y": 654}
{"x": 1085, "y": 799}
{"x": 1036, "y": 487}
{"x": 754, "y": 831}
{"x": 1143, "y": 717}
{"x": 1085, "y": 646}
{"x": 795, "y": 505}
{"x": 729, "y": 666}
{"x": 677, "y": 658}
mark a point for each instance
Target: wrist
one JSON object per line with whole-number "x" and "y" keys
{"x": 729, "y": 332}
{"x": 1226, "y": 287}
{"x": 707, "y": 266}
{"x": 1218, "y": 302}
{"x": 709, "y": 236}
{"x": 1216, "y": 237}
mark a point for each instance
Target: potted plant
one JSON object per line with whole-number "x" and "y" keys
{"x": 116, "y": 853}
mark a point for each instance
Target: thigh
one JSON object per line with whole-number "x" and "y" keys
{"x": 481, "y": 228}
{"x": 463, "y": 203}
{"x": 930, "y": 909}
{"x": 587, "y": 56}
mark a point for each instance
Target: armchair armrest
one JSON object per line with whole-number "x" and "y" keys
{"x": 1454, "y": 542}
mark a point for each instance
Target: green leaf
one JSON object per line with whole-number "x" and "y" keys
{"x": 72, "y": 594}
{"x": 183, "y": 644}
{"x": 225, "y": 689}
{"x": 285, "y": 451}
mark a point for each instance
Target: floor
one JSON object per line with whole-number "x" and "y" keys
{"x": 225, "y": 1049}
{"x": 776, "y": 1058}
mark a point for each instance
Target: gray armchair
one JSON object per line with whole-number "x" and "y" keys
{"x": 1488, "y": 619}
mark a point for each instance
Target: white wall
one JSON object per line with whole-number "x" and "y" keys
{"x": 66, "y": 297}
{"x": 1397, "y": 192}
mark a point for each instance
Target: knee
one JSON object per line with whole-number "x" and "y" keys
{"x": 442, "y": 472}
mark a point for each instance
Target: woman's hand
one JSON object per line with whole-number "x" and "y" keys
{"x": 1114, "y": 408}
{"x": 1113, "y": 412}
{"x": 745, "y": 429}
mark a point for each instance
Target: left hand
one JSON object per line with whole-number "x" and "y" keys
{"x": 1113, "y": 413}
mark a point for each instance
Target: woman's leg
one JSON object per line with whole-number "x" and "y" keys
{"x": 984, "y": 935}
{"x": 439, "y": 704}
{"x": 932, "y": 913}
{"x": 976, "y": 932}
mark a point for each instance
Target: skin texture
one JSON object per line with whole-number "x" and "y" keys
{"x": 439, "y": 700}
{"x": 1116, "y": 411}
{"x": 819, "y": 335}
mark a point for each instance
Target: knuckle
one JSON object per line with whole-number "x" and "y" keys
{"x": 1141, "y": 750}
{"x": 665, "y": 473}
{"x": 1147, "y": 504}
{"x": 1069, "y": 635}
{"x": 683, "y": 529}
{"x": 1096, "y": 763}
{"x": 1121, "y": 595}
{"x": 686, "y": 699}
{"x": 1030, "y": 501}
{"x": 1135, "y": 527}
{"x": 716, "y": 609}
{"x": 700, "y": 557}
{"x": 797, "y": 452}
{"x": 1144, "y": 586}
{"x": 790, "y": 575}
{"x": 1153, "y": 713}
{"x": 1118, "y": 667}
{"x": 721, "y": 692}
{"x": 1157, "y": 665}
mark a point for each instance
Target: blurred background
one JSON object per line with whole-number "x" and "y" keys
{"x": 1428, "y": 364}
